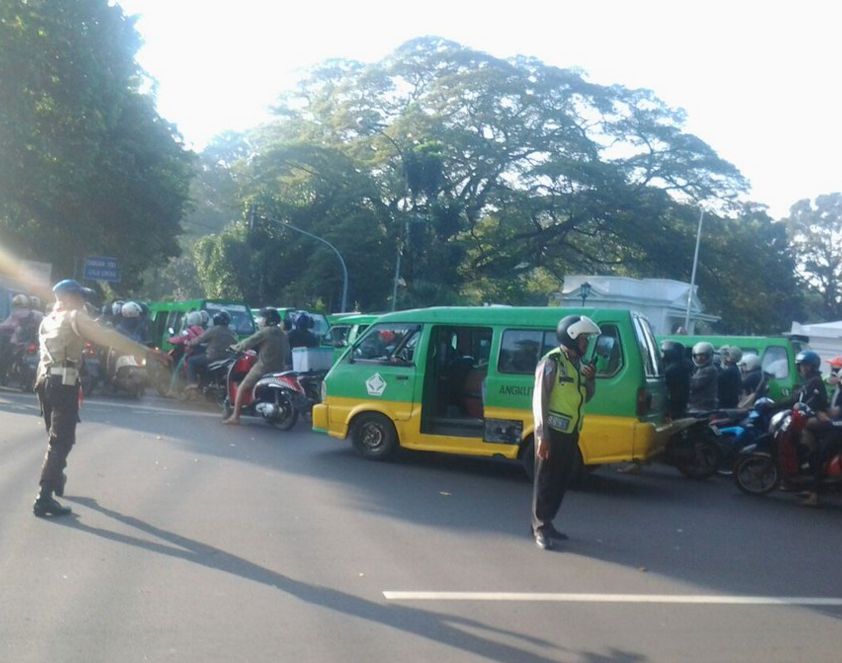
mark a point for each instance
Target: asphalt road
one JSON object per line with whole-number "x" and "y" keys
{"x": 195, "y": 542}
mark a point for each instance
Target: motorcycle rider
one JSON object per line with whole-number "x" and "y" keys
{"x": 20, "y": 328}
{"x": 730, "y": 380}
{"x": 704, "y": 391}
{"x": 677, "y": 372}
{"x": 218, "y": 339}
{"x": 823, "y": 435}
{"x": 62, "y": 337}
{"x": 192, "y": 329}
{"x": 131, "y": 322}
{"x": 272, "y": 347}
{"x": 301, "y": 336}
{"x": 754, "y": 381}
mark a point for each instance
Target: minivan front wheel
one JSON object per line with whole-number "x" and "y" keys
{"x": 374, "y": 436}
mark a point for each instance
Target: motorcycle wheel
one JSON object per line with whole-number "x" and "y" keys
{"x": 287, "y": 414}
{"x": 704, "y": 461}
{"x": 727, "y": 455}
{"x": 756, "y": 474}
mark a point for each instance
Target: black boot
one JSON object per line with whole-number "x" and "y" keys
{"x": 45, "y": 505}
{"x": 60, "y": 488}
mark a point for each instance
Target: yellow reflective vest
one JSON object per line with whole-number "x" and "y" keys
{"x": 568, "y": 395}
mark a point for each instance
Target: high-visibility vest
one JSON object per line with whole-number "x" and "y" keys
{"x": 567, "y": 396}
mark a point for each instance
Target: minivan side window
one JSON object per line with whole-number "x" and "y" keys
{"x": 520, "y": 350}
{"x": 388, "y": 342}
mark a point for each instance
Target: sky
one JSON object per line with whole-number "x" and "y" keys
{"x": 759, "y": 81}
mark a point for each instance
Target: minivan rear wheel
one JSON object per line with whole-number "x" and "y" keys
{"x": 374, "y": 436}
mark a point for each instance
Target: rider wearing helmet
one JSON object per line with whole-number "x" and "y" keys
{"x": 301, "y": 336}
{"x": 812, "y": 393}
{"x": 677, "y": 372}
{"x": 272, "y": 347}
{"x": 62, "y": 336}
{"x": 218, "y": 341}
{"x": 563, "y": 384}
{"x": 192, "y": 329}
{"x": 730, "y": 382}
{"x": 19, "y": 329}
{"x": 132, "y": 322}
{"x": 704, "y": 390}
{"x": 754, "y": 380}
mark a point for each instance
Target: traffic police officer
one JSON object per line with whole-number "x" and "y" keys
{"x": 562, "y": 386}
{"x": 62, "y": 336}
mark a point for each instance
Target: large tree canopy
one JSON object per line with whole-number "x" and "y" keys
{"x": 87, "y": 166}
{"x": 490, "y": 178}
{"x": 815, "y": 232}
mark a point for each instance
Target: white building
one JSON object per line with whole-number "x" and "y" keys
{"x": 824, "y": 338}
{"x": 662, "y": 301}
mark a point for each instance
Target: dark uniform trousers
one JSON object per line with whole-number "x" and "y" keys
{"x": 553, "y": 476}
{"x": 60, "y": 404}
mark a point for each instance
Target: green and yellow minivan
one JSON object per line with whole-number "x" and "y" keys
{"x": 345, "y": 330}
{"x": 460, "y": 380}
{"x": 166, "y": 316}
{"x": 777, "y": 357}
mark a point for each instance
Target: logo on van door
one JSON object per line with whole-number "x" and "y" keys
{"x": 375, "y": 385}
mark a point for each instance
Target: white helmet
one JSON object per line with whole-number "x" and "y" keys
{"x": 702, "y": 353}
{"x": 194, "y": 318}
{"x": 21, "y": 301}
{"x": 117, "y": 307}
{"x": 205, "y": 318}
{"x": 751, "y": 362}
{"x": 131, "y": 310}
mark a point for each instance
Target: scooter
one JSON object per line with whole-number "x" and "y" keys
{"x": 24, "y": 365}
{"x": 761, "y": 467}
{"x": 125, "y": 374}
{"x": 740, "y": 429}
{"x": 272, "y": 397}
{"x": 90, "y": 375}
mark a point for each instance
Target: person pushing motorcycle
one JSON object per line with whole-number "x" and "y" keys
{"x": 272, "y": 347}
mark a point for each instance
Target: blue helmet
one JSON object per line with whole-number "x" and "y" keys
{"x": 69, "y": 286}
{"x": 808, "y": 358}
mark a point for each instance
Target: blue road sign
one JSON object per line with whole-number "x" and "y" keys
{"x": 102, "y": 269}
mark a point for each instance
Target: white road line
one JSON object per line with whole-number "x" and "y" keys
{"x": 688, "y": 599}
{"x": 148, "y": 408}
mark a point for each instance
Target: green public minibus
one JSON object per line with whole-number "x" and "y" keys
{"x": 460, "y": 380}
{"x": 777, "y": 357}
{"x": 166, "y": 316}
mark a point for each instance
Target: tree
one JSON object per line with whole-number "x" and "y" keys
{"x": 815, "y": 231}
{"x": 87, "y": 166}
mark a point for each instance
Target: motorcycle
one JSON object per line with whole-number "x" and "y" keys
{"x": 90, "y": 375}
{"x": 739, "y": 429}
{"x": 24, "y": 365}
{"x": 761, "y": 467}
{"x": 693, "y": 447}
{"x": 273, "y": 397}
{"x": 124, "y": 373}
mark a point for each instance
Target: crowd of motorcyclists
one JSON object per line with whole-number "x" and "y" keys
{"x": 709, "y": 382}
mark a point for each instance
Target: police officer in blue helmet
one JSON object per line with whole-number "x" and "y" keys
{"x": 62, "y": 337}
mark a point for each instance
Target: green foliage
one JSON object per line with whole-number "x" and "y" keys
{"x": 815, "y": 231}
{"x": 87, "y": 167}
{"x": 491, "y": 179}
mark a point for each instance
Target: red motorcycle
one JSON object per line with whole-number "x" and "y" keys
{"x": 273, "y": 398}
{"x": 760, "y": 467}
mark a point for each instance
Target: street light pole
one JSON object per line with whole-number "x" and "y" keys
{"x": 693, "y": 274}
{"x": 287, "y": 224}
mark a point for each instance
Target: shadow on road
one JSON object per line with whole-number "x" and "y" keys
{"x": 442, "y": 628}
